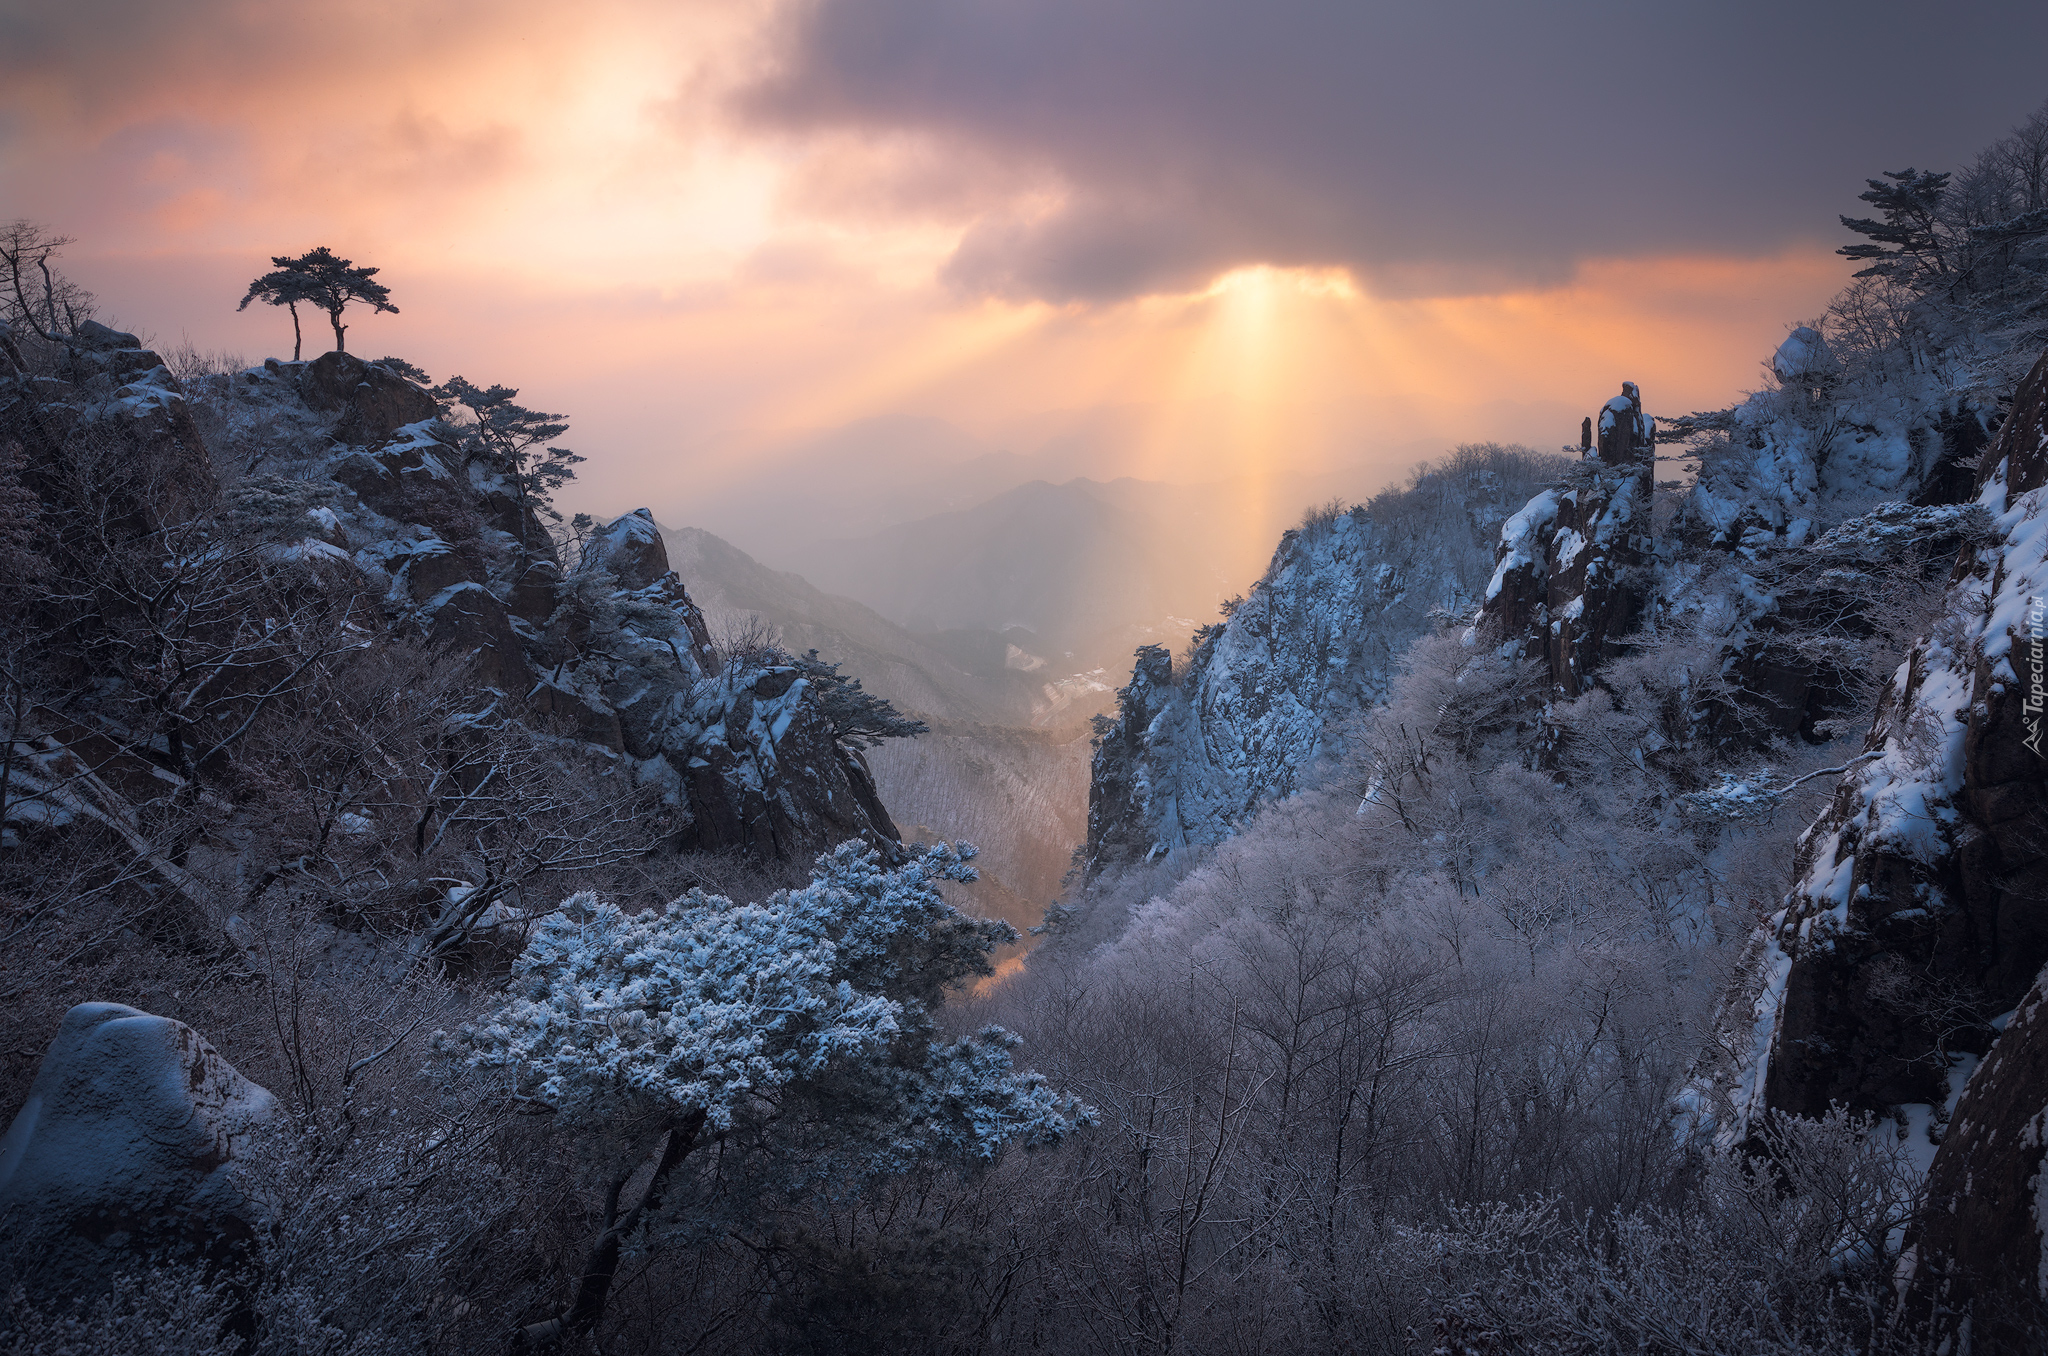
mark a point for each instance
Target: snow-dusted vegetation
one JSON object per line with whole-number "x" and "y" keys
{"x": 1554, "y": 910}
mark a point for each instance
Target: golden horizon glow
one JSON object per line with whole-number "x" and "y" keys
{"x": 561, "y": 204}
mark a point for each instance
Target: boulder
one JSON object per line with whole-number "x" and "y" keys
{"x": 135, "y": 1140}
{"x": 370, "y": 402}
{"x": 631, "y": 548}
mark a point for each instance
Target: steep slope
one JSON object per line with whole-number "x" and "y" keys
{"x": 1269, "y": 691}
{"x": 341, "y": 514}
{"x": 1914, "y": 922}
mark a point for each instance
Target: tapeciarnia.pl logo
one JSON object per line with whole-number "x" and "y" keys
{"x": 2037, "y": 670}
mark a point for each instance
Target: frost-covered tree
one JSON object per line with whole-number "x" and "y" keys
{"x": 802, "y": 1027}
{"x": 859, "y": 718}
{"x": 513, "y": 440}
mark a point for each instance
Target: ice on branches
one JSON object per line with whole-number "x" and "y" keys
{"x": 734, "y": 1009}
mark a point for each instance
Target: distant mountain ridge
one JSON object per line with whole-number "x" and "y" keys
{"x": 732, "y": 586}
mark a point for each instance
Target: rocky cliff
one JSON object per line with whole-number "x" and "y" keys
{"x": 337, "y": 484}
{"x": 1267, "y": 693}
{"x": 1575, "y": 562}
{"x": 1913, "y": 924}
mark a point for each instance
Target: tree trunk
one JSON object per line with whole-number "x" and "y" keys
{"x": 601, "y": 1265}
{"x": 298, "y": 340}
{"x": 334, "y": 319}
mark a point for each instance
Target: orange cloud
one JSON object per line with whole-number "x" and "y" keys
{"x": 561, "y": 203}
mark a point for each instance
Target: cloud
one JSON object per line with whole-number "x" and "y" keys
{"x": 1430, "y": 149}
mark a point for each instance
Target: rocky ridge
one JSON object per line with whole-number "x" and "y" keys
{"x": 343, "y": 469}
{"x": 1268, "y": 692}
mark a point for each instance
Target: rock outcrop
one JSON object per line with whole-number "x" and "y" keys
{"x": 344, "y": 467}
{"x": 1270, "y": 692}
{"x": 1570, "y": 574}
{"x": 134, "y": 1142}
{"x": 1916, "y": 919}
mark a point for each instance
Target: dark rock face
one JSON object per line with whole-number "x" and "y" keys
{"x": 135, "y": 1139}
{"x": 370, "y": 402}
{"x": 1976, "y": 1252}
{"x": 766, "y": 775}
{"x": 1567, "y": 578}
{"x": 1916, "y": 917}
{"x": 1118, "y": 823}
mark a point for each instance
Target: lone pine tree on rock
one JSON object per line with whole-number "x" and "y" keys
{"x": 323, "y": 280}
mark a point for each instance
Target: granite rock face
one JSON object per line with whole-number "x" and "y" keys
{"x": 1269, "y": 695}
{"x": 135, "y": 1140}
{"x": 1571, "y": 569}
{"x": 1916, "y": 918}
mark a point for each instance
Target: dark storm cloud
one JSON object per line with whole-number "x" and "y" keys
{"x": 1428, "y": 147}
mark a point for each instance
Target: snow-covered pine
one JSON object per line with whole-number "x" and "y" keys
{"x": 734, "y": 1010}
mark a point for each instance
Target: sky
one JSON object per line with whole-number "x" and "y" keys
{"x": 761, "y": 251}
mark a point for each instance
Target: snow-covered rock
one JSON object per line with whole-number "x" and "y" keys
{"x": 1916, "y": 918}
{"x": 1270, "y": 691}
{"x": 1569, "y": 570}
{"x": 135, "y": 1138}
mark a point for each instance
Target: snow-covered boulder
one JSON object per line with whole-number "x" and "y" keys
{"x": 1804, "y": 359}
{"x": 135, "y": 1137}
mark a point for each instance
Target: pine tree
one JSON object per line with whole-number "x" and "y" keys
{"x": 322, "y": 279}
{"x": 860, "y": 719}
{"x": 801, "y": 1030}
{"x": 1911, "y": 205}
{"x": 512, "y": 439}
